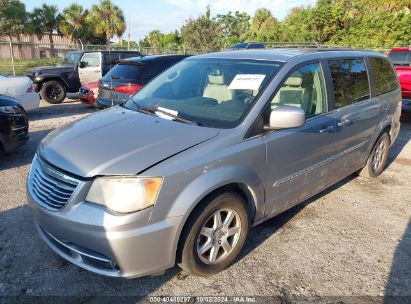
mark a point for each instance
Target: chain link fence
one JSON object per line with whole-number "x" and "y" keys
{"x": 17, "y": 57}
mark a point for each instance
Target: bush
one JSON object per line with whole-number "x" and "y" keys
{"x": 21, "y": 66}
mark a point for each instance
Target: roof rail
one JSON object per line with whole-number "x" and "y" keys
{"x": 283, "y": 44}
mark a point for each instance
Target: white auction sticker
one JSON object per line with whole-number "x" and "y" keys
{"x": 164, "y": 115}
{"x": 246, "y": 82}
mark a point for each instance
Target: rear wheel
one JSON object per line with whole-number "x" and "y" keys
{"x": 53, "y": 91}
{"x": 378, "y": 158}
{"x": 214, "y": 235}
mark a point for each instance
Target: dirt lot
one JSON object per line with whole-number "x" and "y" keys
{"x": 351, "y": 240}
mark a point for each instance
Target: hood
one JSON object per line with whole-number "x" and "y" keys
{"x": 119, "y": 142}
{"x": 52, "y": 69}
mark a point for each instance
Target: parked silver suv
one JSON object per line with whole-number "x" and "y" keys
{"x": 214, "y": 145}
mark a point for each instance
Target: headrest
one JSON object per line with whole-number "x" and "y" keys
{"x": 293, "y": 81}
{"x": 216, "y": 79}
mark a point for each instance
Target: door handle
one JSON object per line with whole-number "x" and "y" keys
{"x": 344, "y": 123}
{"x": 327, "y": 129}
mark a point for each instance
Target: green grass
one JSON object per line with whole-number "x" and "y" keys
{"x": 22, "y": 65}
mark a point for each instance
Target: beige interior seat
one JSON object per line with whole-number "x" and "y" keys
{"x": 290, "y": 94}
{"x": 217, "y": 89}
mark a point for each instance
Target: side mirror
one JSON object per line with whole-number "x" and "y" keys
{"x": 82, "y": 64}
{"x": 285, "y": 117}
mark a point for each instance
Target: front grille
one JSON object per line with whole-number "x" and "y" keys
{"x": 50, "y": 188}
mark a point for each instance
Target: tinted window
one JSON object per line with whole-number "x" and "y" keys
{"x": 125, "y": 71}
{"x": 400, "y": 56}
{"x": 305, "y": 89}
{"x": 384, "y": 76}
{"x": 111, "y": 59}
{"x": 350, "y": 81}
{"x": 152, "y": 69}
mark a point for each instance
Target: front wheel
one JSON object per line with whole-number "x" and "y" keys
{"x": 53, "y": 92}
{"x": 378, "y": 158}
{"x": 214, "y": 235}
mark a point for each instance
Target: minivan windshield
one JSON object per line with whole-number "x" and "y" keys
{"x": 210, "y": 92}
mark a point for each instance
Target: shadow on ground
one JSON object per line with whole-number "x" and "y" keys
{"x": 398, "y": 287}
{"x": 23, "y": 155}
{"x": 68, "y": 108}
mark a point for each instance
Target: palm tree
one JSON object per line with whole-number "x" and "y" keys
{"x": 107, "y": 19}
{"x": 45, "y": 19}
{"x": 73, "y": 22}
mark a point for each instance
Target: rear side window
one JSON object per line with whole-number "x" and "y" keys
{"x": 152, "y": 69}
{"x": 130, "y": 72}
{"x": 111, "y": 59}
{"x": 350, "y": 81}
{"x": 400, "y": 56}
{"x": 384, "y": 76}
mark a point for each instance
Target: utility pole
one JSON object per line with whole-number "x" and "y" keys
{"x": 129, "y": 24}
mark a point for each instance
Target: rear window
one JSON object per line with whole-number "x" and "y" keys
{"x": 400, "y": 56}
{"x": 125, "y": 71}
{"x": 384, "y": 76}
{"x": 350, "y": 81}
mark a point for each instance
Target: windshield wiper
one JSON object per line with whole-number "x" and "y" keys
{"x": 153, "y": 110}
{"x": 176, "y": 117}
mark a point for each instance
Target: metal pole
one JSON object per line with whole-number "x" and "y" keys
{"x": 128, "y": 42}
{"x": 12, "y": 57}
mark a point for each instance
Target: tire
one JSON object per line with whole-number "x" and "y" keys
{"x": 378, "y": 158}
{"x": 222, "y": 253}
{"x": 53, "y": 92}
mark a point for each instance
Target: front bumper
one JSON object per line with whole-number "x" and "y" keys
{"x": 134, "y": 250}
{"x": 109, "y": 244}
{"x": 16, "y": 133}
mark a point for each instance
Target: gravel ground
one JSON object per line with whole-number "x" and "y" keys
{"x": 351, "y": 240}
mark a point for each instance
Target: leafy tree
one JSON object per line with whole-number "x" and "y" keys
{"x": 45, "y": 19}
{"x": 13, "y": 20}
{"x": 171, "y": 40}
{"x": 202, "y": 33}
{"x": 265, "y": 26}
{"x": 13, "y": 17}
{"x": 106, "y": 19}
{"x": 236, "y": 27}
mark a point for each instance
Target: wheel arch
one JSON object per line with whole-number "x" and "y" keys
{"x": 240, "y": 188}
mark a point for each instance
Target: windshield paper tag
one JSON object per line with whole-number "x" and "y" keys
{"x": 246, "y": 82}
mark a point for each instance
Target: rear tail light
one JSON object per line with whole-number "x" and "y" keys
{"x": 30, "y": 89}
{"x": 129, "y": 89}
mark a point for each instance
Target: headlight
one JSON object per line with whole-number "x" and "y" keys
{"x": 125, "y": 194}
{"x": 37, "y": 73}
{"x": 10, "y": 110}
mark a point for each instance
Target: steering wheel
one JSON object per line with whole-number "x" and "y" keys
{"x": 245, "y": 97}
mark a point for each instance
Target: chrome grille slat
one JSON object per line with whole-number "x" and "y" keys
{"x": 50, "y": 193}
{"x": 49, "y": 187}
{"x": 46, "y": 200}
{"x": 52, "y": 181}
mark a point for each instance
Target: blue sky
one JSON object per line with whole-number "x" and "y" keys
{"x": 169, "y": 15}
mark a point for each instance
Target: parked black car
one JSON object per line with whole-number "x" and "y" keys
{"x": 14, "y": 125}
{"x": 130, "y": 75}
{"x": 247, "y": 45}
{"x": 78, "y": 67}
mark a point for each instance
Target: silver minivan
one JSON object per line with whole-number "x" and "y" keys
{"x": 214, "y": 145}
